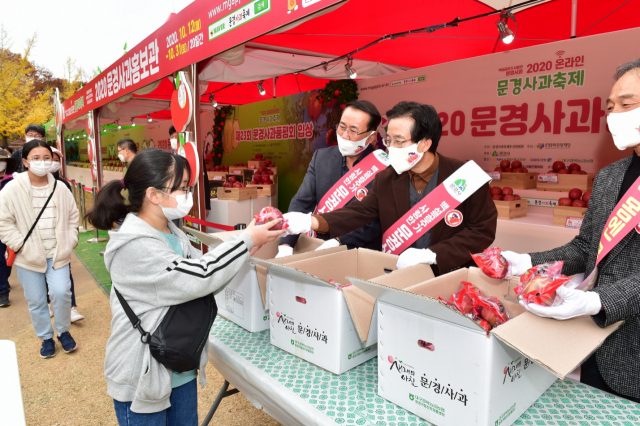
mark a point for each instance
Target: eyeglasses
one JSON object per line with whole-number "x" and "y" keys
{"x": 395, "y": 143}
{"x": 185, "y": 189}
{"x": 342, "y": 130}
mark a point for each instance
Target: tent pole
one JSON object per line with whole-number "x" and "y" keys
{"x": 574, "y": 17}
{"x": 274, "y": 86}
{"x": 98, "y": 145}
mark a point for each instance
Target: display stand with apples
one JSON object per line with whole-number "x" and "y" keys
{"x": 513, "y": 175}
{"x": 509, "y": 205}
{"x": 561, "y": 178}
{"x": 571, "y": 210}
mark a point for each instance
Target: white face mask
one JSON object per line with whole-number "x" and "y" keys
{"x": 3, "y": 166}
{"x": 54, "y": 167}
{"x": 403, "y": 159}
{"x": 29, "y": 138}
{"x": 625, "y": 128}
{"x": 41, "y": 168}
{"x": 185, "y": 203}
{"x": 121, "y": 157}
{"x": 348, "y": 148}
{"x": 174, "y": 143}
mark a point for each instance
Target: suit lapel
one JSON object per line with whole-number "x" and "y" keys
{"x": 335, "y": 171}
{"x": 400, "y": 186}
{"x": 615, "y": 183}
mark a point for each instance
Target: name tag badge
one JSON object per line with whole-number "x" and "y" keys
{"x": 638, "y": 228}
{"x": 453, "y": 218}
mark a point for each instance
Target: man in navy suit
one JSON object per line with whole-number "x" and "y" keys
{"x": 356, "y": 139}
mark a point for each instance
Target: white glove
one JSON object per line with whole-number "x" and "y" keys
{"x": 413, "y": 256}
{"x": 518, "y": 263}
{"x": 329, "y": 244}
{"x": 284, "y": 251}
{"x": 299, "y": 223}
{"x": 575, "y": 303}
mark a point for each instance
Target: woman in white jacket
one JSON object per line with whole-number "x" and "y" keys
{"x": 154, "y": 266}
{"x": 47, "y": 251}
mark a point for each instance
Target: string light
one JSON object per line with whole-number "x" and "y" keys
{"x": 261, "y": 89}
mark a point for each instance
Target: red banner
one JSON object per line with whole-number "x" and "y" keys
{"x": 201, "y": 30}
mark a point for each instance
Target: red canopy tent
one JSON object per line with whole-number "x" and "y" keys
{"x": 354, "y": 25}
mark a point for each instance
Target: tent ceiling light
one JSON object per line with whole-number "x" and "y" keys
{"x": 261, "y": 89}
{"x": 149, "y": 118}
{"x": 213, "y": 101}
{"x": 350, "y": 70}
{"x": 132, "y": 122}
{"x": 506, "y": 35}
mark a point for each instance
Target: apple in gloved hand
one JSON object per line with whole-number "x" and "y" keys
{"x": 268, "y": 214}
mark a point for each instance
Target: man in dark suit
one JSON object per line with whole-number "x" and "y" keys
{"x": 417, "y": 169}
{"x": 615, "y": 367}
{"x": 356, "y": 137}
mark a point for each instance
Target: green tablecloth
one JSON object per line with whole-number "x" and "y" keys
{"x": 352, "y": 398}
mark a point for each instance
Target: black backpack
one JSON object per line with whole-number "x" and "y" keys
{"x": 178, "y": 341}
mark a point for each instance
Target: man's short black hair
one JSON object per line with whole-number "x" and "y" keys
{"x": 35, "y": 128}
{"x": 172, "y": 130}
{"x": 369, "y": 108}
{"x": 128, "y": 144}
{"x": 427, "y": 124}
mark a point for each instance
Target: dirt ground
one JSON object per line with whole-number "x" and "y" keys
{"x": 70, "y": 389}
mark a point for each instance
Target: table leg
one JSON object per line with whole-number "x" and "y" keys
{"x": 222, "y": 394}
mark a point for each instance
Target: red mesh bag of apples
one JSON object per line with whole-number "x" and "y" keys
{"x": 269, "y": 214}
{"x": 488, "y": 312}
{"x": 491, "y": 262}
{"x": 539, "y": 284}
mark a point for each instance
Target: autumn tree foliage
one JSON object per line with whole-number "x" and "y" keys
{"x": 26, "y": 89}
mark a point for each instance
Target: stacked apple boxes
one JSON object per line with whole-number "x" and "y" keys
{"x": 570, "y": 210}
{"x": 265, "y": 176}
{"x": 217, "y": 176}
{"x": 442, "y": 366}
{"x": 562, "y": 179}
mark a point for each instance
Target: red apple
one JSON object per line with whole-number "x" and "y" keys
{"x": 586, "y": 196}
{"x": 579, "y": 203}
{"x": 499, "y": 169}
{"x": 269, "y": 182}
{"x": 269, "y": 172}
{"x": 582, "y": 172}
{"x": 517, "y": 197}
{"x": 565, "y": 202}
{"x": 575, "y": 172}
{"x": 509, "y": 198}
{"x": 564, "y": 172}
{"x": 574, "y": 166}
{"x": 232, "y": 179}
{"x": 524, "y": 170}
{"x": 505, "y": 163}
{"x": 575, "y": 194}
{"x": 253, "y": 182}
{"x": 237, "y": 185}
{"x": 518, "y": 170}
{"x": 496, "y": 190}
{"x": 259, "y": 155}
{"x": 516, "y": 164}
{"x": 558, "y": 165}
{"x": 497, "y": 197}
{"x": 508, "y": 170}
{"x": 507, "y": 191}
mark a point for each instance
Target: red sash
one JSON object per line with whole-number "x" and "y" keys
{"x": 622, "y": 220}
{"x": 353, "y": 184}
{"x": 437, "y": 205}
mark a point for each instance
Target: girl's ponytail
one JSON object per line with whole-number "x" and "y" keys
{"x": 109, "y": 206}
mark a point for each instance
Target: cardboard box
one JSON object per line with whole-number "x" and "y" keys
{"x": 511, "y": 209}
{"x": 516, "y": 180}
{"x": 265, "y": 190}
{"x": 237, "y": 194}
{"x": 331, "y": 325}
{"x": 567, "y": 182}
{"x": 243, "y": 300}
{"x": 561, "y": 213}
{"x": 442, "y": 366}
